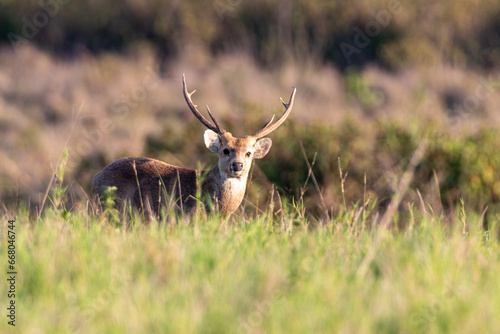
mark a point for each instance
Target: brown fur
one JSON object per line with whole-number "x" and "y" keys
{"x": 225, "y": 187}
{"x": 121, "y": 174}
{"x": 142, "y": 180}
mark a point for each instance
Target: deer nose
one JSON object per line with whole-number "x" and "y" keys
{"x": 237, "y": 166}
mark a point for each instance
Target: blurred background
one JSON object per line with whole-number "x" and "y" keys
{"x": 374, "y": 79}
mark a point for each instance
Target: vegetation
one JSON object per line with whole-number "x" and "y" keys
{"x": 397, "y": 32}
{"x": 278, "y": 270}
{"x": 280, "y": 274}
{"x": 368, "y": 97}
{"x": 376, "y": 210}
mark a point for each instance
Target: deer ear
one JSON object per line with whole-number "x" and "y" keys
{"x": 212, "y": 141}
{"x": 262, "y": 147}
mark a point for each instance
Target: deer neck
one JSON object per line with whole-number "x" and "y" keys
{"x": 227, "y": 191}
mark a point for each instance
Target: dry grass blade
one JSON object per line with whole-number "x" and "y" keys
{"x": 271, "y": 205}
{"x": 46, "y": 195}
{"x": 316, "y": 186}
{"x": 481, "y": 218}
{"x": 403, "y": 184}
{"x": 364, "y": 199}
{"x": 439, "y": 205}
{"x": 180, "y": 190}
{"x": 304, "y": 187}
{"x": 75, "y": 119}
{"x": 159, "y": 197}
{"x": 138, "y": 188}
{"x": 342, "y": 181}
{"x": 255, "y": 206}
{"x": 391, "y": 210}
{"x": 421, "y": 202}
{"x": 7, "y": 212}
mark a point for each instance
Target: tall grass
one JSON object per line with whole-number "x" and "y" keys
{"x": 308, "y": 257}
{"x": 281, "y": 273}
{"x": 332, "y": 117}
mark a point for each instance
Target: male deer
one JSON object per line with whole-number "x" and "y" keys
{"x": 142, "y": 181}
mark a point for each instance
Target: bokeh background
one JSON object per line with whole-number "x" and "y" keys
{"x": 374, "y": 79}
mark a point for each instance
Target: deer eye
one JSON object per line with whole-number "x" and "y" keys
{"x": 225, "y": 151}
{"x": 249, "y": 154}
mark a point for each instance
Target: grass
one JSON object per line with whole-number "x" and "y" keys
{"x": 80, "y": 274}
{"x": 79, "y": 109}
{"x": 302, "y": 257}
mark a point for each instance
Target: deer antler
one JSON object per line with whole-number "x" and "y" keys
{"x": 217, "y": 127}
{"x": 268, "y": 128}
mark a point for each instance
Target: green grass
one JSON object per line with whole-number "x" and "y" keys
{"x": 81, "y": 274}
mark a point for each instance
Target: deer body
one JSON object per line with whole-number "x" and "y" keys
{"x": 144, "y": 182}
{"x": 145, "y": 190}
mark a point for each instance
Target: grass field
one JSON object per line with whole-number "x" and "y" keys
{"x": 79, "y": 273}
{"x": 377, "y": 209}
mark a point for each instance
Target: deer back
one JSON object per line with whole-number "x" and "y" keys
{"x": 148, "y": 182}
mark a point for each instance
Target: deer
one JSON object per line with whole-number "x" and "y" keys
{"x": 141, "y": 181}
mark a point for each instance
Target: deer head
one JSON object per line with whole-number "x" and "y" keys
{"x": 236, "y": 154}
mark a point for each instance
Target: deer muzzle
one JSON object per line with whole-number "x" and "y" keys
{"x": 237, "y": 168}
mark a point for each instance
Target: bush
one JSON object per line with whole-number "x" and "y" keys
{"x": 269, "y": 30}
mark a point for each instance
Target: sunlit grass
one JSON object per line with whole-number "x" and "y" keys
{"x": 305, "y": 254}
{"x": 82, "y": 274}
